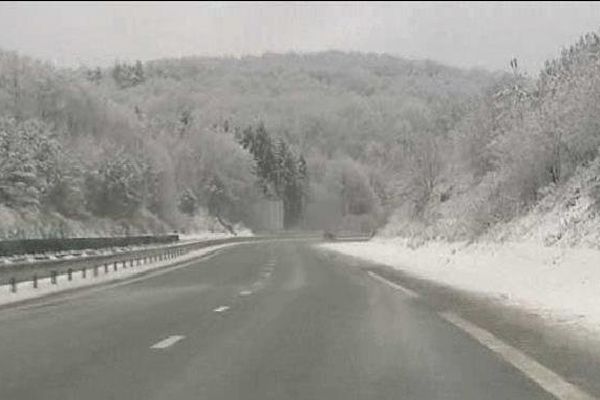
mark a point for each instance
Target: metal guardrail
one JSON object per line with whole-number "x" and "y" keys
{"x": 347, "y": 236}
{"x": 13, "y": 274}
{"x": 36, "y": 246}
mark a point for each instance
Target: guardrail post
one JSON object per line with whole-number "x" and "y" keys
{"x": 124, "y": 264}
{"x": 13, "y": 285}
{"x": 115, "y": 267}
{"x": 131, "y": 263}
{"x": 83, "y": 272}
{"x": 106, "y": 268}
{"x": 53, "y": 277}
{"x": 34, "y": 280}
{"x": 70, "y": 274}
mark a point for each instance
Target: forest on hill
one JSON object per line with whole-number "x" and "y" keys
{"x": 156, "y": 146}
{"x": 360, "y": 139}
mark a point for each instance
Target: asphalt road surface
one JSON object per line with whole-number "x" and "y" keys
{"x": 260, "y": 321}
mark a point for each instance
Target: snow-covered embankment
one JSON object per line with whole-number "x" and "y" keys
{"x": 562, "y": 284}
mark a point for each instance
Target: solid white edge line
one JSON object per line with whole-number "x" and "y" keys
{"x": 394, "y": 285}
{"x": 545, "y": 378}
{"x": 221, "y": 309}
{"x": 168, "y": 342}
{"x": 245, "y": 293}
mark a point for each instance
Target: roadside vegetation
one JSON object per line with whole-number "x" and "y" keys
{"x": 151, "y": 147}
{"x": 345, "y": 140}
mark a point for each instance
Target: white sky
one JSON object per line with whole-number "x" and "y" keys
{"x": 462, "y": 34}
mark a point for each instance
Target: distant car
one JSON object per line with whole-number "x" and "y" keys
{"x": 328, "y": 236}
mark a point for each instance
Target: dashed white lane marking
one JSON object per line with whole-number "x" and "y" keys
{"x": 245, "y": 293}
{"x": 221, "y": 309}
{"x": 394, "y": 285}
{"x": 168, "y": 342}
{"x": 545, "y": 378}
{"x": 257, "y": 285}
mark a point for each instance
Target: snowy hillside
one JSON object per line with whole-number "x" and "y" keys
{"x": 566, "y": 216}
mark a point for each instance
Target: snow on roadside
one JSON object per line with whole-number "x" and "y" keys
{"x": 204, "y": 236}
{"x": 71, "y": 254}
{"x": 26, "y": 291}
{"x": 240, "y": 230}
{"x": 562, "y": 284}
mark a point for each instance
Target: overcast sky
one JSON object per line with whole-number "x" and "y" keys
{"x": 468, "y": 35}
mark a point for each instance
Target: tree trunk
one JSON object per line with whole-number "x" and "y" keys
{"x": 226, "y": 226}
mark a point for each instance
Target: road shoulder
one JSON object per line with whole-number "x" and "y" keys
{"x": 566, "y": 349}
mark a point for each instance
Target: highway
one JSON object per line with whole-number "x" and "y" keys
{"x": 257, "y": 321}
